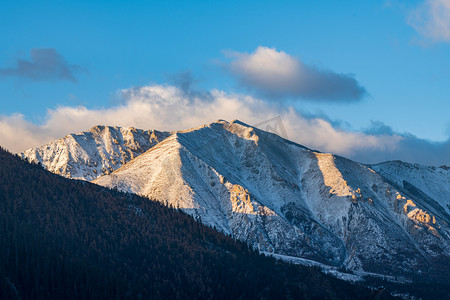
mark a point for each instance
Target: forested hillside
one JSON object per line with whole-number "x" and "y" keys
{"x": 69, "y": 239}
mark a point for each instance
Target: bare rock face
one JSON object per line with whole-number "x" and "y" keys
{"x": 391, "y": 218}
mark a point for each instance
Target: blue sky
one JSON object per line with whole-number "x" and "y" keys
{"x": 393, "y": 51}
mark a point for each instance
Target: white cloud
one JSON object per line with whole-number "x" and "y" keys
{"x": 165, "y": 107}
{"x": 431, "y": 19}
{"x": 276, "y": 74}
{"x": 16, "y": 134}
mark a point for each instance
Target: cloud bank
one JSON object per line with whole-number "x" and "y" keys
{"x": 276, "y": 74}
{"x": 431, "y": 19}
{"x": 44, "y": 64}
{"x": 166, "y": 107}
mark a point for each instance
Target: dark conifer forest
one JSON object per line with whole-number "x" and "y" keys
{"x": 69, "y": 239}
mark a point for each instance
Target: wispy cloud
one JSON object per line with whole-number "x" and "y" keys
{"x": 166, "y": 107}
{"x": 44, "y": 64}
{"x": 431, "y": 19}
{"x": 276, "y": 74}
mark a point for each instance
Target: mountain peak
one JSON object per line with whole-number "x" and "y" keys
{"x": 220, "y": 121}
{"x": 100, "y": 150}
{"x": 236, "y": 121}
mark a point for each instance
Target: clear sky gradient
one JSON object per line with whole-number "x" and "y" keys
{"x": 389, "y": 47}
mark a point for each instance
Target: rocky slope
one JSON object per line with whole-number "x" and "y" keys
{"x": 431, "y": 183}
{"x": 284, "y": 198}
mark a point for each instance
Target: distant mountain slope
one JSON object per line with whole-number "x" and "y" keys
{"x": 96, "y": 152}
{"x": 66, "y": 239}
{"x": 284, "y": 198}
{"x": 427, "y": 182}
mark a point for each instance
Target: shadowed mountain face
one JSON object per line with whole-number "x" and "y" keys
{"x": 68, "y": 239}
{"x": 284, "y": 198}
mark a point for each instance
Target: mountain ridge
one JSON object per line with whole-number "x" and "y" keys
{"x": 89, "y": 154}
{"x": 284, "y": 198}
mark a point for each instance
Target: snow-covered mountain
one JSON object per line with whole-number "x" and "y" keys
{"x": 391, "y": 218}
{"x": 99, "y": 151}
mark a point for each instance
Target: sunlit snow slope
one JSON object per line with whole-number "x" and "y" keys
{"x": 284, "y": 198}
